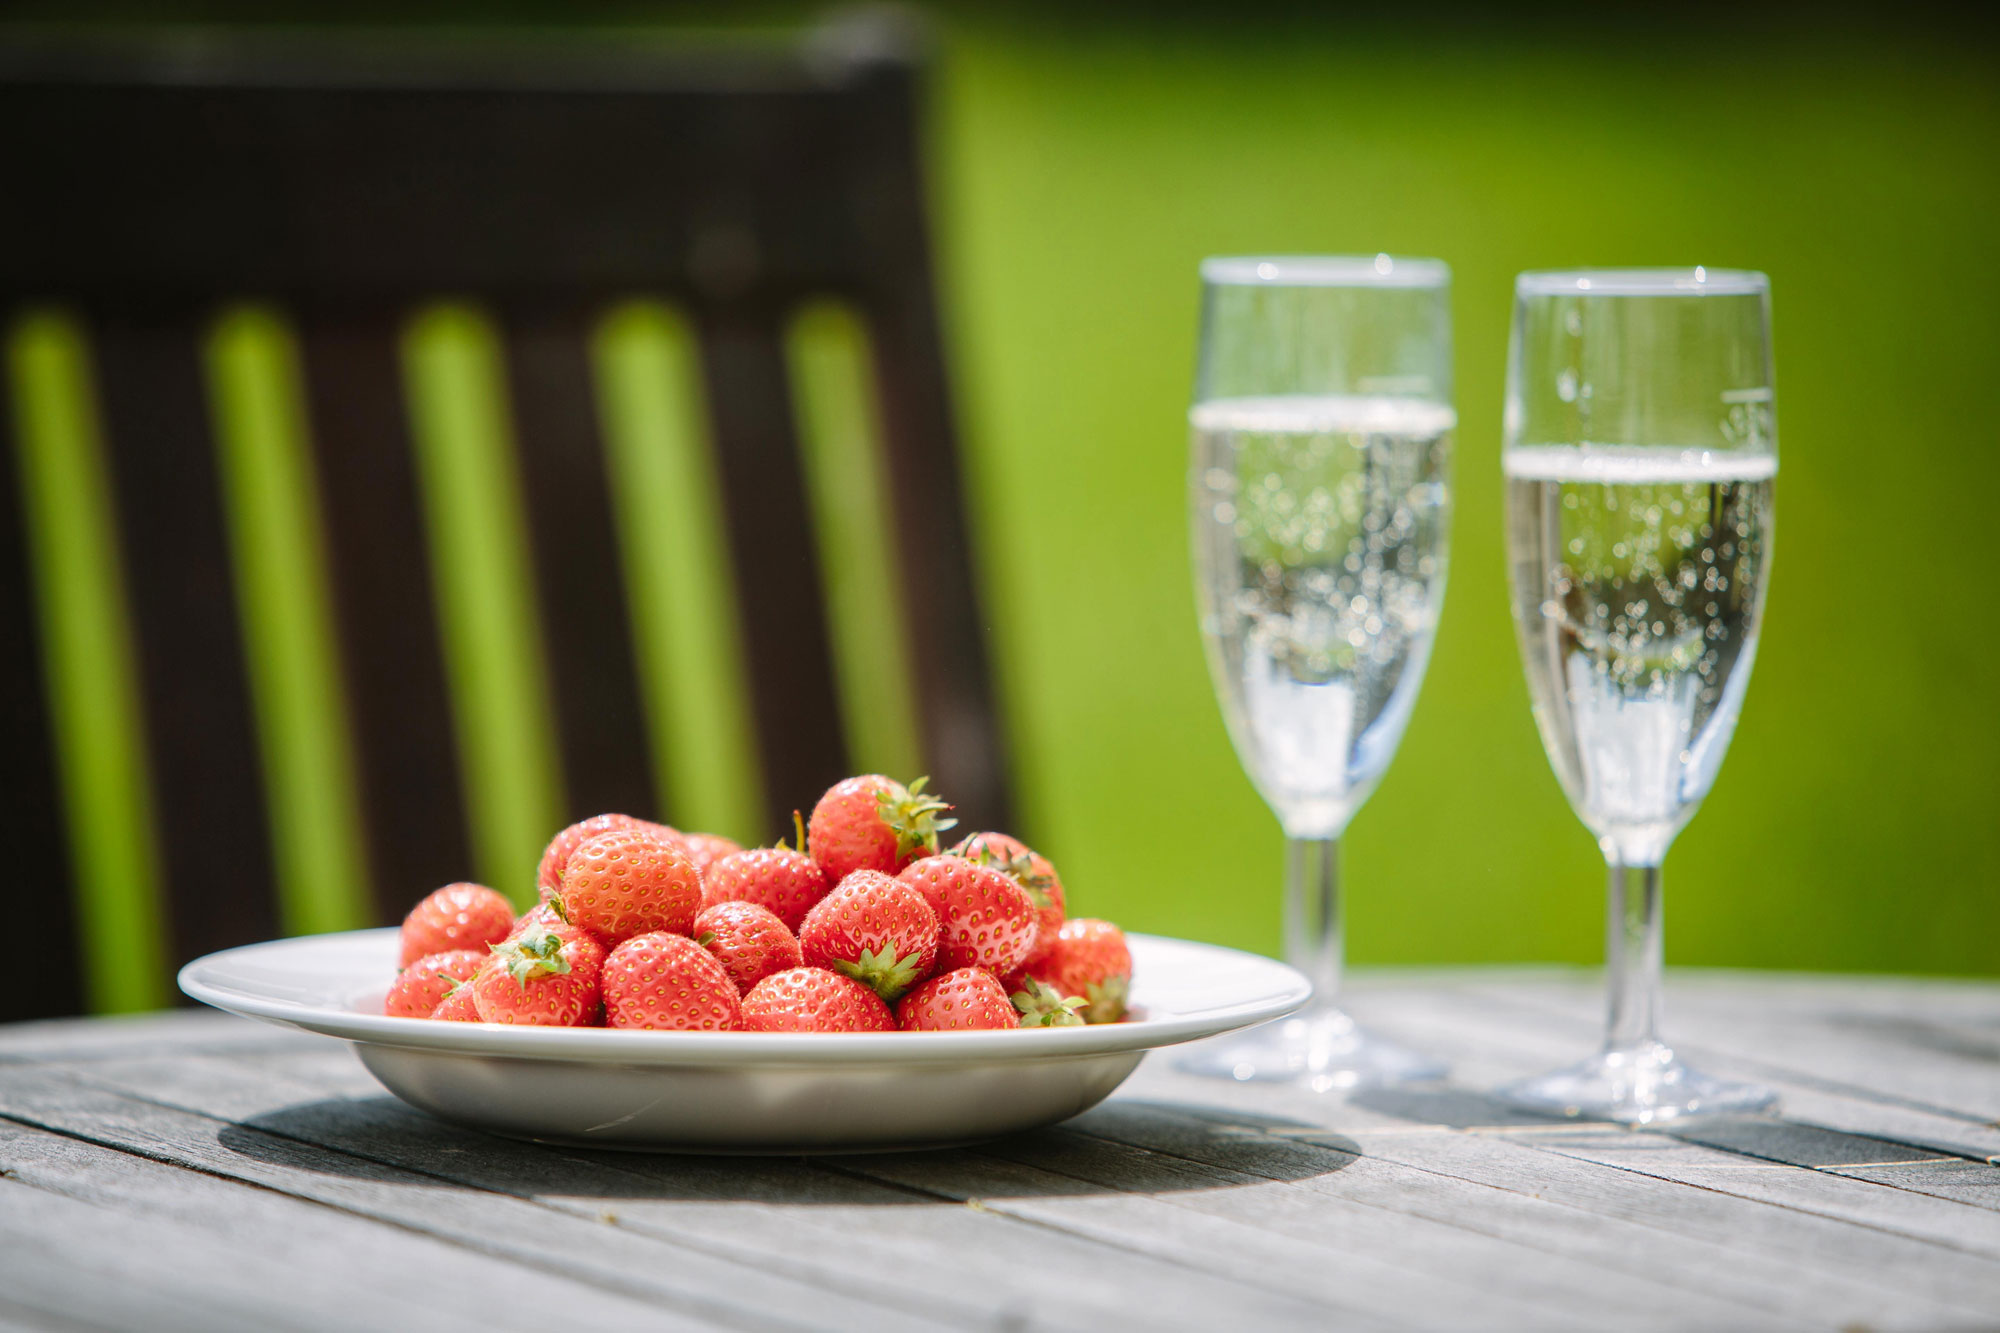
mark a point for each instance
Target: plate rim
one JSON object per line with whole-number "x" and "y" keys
{"x": 739, "y": 1049}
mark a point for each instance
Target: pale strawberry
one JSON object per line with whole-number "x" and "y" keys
{"x": 667, "y": 982}
{"x": 784, "y": 882}
{"x": 812, "y": 999}
{"x": 874, "y": 823}
{"x": 546, "y": 976}
{"x": 457, "y": 916}
{"x": 960, "y": 1001}
{"x": 422, "y": 986}
{"x": 458, "y": 1006}
{"x": 747, "y": 940}
{"x": 988, "y": 920}
{"x": 1091, "y": 961}
{"x": 548, "y": 876}
{"x": 874, "y": 929}
{"x": 708, "y": 848}
{"x": 1026, "y": 867}
{"x": 628, "y": 882}
{"x": 1042, "y": 1006}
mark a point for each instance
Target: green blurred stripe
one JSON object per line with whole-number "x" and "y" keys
{"x": 280, "y": 559}
{"x": 677, "y": 572}
{"x": 846, "y": 475}
{"x": 93, "y": 692}
{"x": 486, "y": 603}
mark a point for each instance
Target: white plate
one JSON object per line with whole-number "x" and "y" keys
{"x": 740, "y": 1091}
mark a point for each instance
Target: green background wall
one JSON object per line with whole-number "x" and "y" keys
{"x": 1084, "y": 174}
{"x": 1082, "y": 170}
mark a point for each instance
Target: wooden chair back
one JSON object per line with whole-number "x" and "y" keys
{"x": 148, "y": 186}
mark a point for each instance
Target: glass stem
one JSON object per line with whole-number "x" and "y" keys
{"x": 1632, "y": 956}
{"x": 1312, "y": 913}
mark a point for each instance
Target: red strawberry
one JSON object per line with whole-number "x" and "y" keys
{"x": 812, "y": 999}
{"x": 546, "y": 976}
{"x": 457, "y": 916}
{"x": 457, "y": 1007}
{"x": 781, "y": 881}
{"x": 874, "y": 929}
{"x": 422, "y": 986}
{"x": 667, "y": 982}
{"x": 747, "y": 940}
{"x": 956, "y": 1002}
{"x": 628, "y": 882}
{"x": 708, "y": 848}
{"x": 1026, "y": 867}
{"x": 873, "y": 823}
{"x": 989, "y": 921}
{"x": 548, "y": 876}
{"x": 1090, "y": 960}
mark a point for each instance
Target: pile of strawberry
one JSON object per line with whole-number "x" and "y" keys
{"x": 865, "y": 927}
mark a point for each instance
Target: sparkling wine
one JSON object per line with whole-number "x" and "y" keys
{"x": 1639, "y": 579}
{"x": 1320, "y": 534}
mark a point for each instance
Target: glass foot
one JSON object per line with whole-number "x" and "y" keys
{"x": 1318, "y": 1048}
{"x": 1643, "y": 1085}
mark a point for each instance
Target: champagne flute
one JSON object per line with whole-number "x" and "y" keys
{"x": 1641, "y": 452}
{"x": 1319, "y": 494}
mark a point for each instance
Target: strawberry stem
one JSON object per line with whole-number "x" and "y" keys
{"x": 1106, "y": 999}
{"x": 913, "y": 817}
{"x": 532, "y": 953}
{"x": 1043, "y": 1006}
{"x": 886, "y": 973}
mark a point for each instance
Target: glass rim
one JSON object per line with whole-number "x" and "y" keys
{"x": 1698, "y": 280}
{"x": 1379, "y": 270}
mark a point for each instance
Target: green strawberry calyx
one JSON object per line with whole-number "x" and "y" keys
{"x": 1043, "y": 1006}
{"x": 532, "y": 953}
{"x": 1020, "y": 869}
{"x": 1106, "y": 999}
{"x": 913, "y": 818}
{"x": 883, "y": 972}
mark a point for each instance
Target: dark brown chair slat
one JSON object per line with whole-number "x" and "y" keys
{"x": 208, "y": 794}
{"x": 960, "y": 728}
{"x": 777, "y": 564}
{"x": 578, "y": 576}
{"x": 44, "y": 981}
{"x": 384, "y": 607}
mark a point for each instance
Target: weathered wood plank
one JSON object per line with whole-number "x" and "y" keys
{"x": 1490, "y": 1033}
{"x": 1858, "y": 1157}
{"x": 212, "y": 1087}
{"x": 1184, "y": 1201}
{"x": 122, "y": 1036}
{"x": 94, "y": 1234}
{"x": 1287, "y": 1240}
{"x": 698, "y": 1282}
{"x": 1771, "y": 1259}
{"x": 1925, "y": 1045}
{"x": 828, "y": 1224}
{"x": 961, "y": 1267}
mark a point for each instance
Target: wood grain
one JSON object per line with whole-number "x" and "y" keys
{"x": 144, "y": 1157}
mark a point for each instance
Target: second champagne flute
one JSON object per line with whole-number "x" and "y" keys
{"x": 1319, "y": 494}
{"x": 1641, "y": 460}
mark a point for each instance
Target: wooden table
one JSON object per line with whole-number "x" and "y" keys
{"x": 197, "y": 1171}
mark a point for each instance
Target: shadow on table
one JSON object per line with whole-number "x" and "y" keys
{"x": 1125, "y": 1147}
